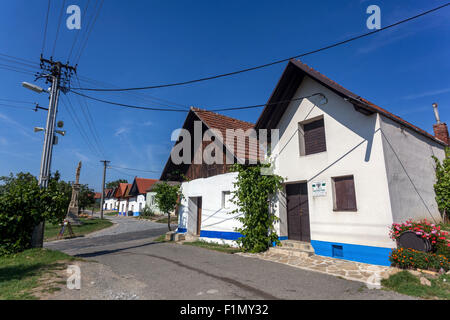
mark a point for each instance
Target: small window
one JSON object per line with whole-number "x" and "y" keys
{"x": 226, "y": 199}
{"x": 312, "y": 137}
{"x": 344, "y": 194}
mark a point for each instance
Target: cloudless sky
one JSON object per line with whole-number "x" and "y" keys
{"x": 135, "y": 43}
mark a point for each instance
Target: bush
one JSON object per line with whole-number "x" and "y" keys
{"x": 22, "y": 206}
{"x": 411, "y": 259}
{"x": 147, "y": 212}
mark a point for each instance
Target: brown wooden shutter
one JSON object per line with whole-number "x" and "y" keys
{"x": 314, "y": 133}
{"x": 345, "y": 199}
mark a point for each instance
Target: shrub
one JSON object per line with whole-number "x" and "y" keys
{"x": 147, "y": 212}
{"x": 411, "y": 259}
{"x": 424, "y": 229}
{"x": 22, "y": 206}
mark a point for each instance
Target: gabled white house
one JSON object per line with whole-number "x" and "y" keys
{"x": 351, "y": 167}
{"x": 137, "y": 194}
{"x": 206, "y": 210}
{"x": 109, "y": 200}
{"x": 351, "y": 170}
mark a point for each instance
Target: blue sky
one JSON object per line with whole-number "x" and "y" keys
{"x": 136, "y": 43}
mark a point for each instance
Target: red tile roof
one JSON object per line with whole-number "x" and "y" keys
{"x": 144, "y": 184}
{"x": 121, "y": 190}
{"x": 98, "y": 195}
{"x": 220, "y": 122}
{"x": 337, "y": 88}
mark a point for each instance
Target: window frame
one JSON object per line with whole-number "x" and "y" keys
{"x": 333, "y": 182}
{"x": 301, "y": 138}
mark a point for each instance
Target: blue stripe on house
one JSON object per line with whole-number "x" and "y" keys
{"x": 226, "y": 235}
{"x": 136, "y": 214}
{"x": 353, "y": 252}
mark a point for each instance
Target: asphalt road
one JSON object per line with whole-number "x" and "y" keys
{"x": 132, "y": 266}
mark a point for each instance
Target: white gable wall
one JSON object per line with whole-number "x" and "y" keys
{"x": 353, "y": 148}
{"x": 216, "y": 223}
{"x": 410, "y": 172}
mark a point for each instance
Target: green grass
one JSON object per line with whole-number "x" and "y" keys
{"x": 88, "y": 226}
{"x": 213, "y": 246}
{"x": 20, "y": 273}
{"x": 110, "y": 214}
{"x": 161, "y": 238}
{"x": 406, "y": 283}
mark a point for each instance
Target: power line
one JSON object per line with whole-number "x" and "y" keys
{"x": 17, "y": 107}
{"x": 77, "y": 124}
{"x": 336, "y": 44}
{"x": 89, "y": 31}
{"x": 58, "y": 26}
{"x": 90, "y": 122}
{"x": 212, "y": 110}
{"x": 78, "y": 33}
{"x": 17, "y": 101}
{"x": 45, "y": 28}
{"x": 132, "y": 169}
{"x": 127, "y": 105}
{"x": 140, "y": 95}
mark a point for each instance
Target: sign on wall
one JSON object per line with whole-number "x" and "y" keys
{"x": 319, "y": 189}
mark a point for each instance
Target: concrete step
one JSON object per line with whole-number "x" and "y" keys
{"x": 191, "y": 237}
{"x": 300, "y": 245}
{"x": 291, "y": 252}
{"x": 179, "y": 237}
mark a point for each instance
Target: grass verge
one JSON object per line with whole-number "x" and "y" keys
{"x": 20, "y": 272}
{"x": 88, "y": 226}
{"x": 213, "y": 246}
{"x": 406, "y": 283}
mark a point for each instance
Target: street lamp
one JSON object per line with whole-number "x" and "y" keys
{"x": 32, "y": 87}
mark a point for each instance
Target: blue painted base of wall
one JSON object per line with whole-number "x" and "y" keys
{"x": 352, "y": 252}
{"x": 136, "y": 214}
{"x": 181, "y": 230}
{"x": 226, "y": 235}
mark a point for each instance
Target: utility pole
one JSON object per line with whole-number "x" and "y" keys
{"x": 53, "y": 72}
{"x": 105, "y": 163}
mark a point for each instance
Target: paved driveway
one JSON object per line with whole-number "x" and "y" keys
{"x": 131, "y": 266}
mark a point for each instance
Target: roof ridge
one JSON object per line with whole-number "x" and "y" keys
{"x": 196, "y": 109}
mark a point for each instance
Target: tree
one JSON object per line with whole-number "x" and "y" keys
{"x": 23, "y": 205}
{"x": 167, "y": 198}
{"x": 442, "y": 186}
{"x": 115, "y": 184}
{"x": 86, "y": 197}
{"x": 254, "y": 196}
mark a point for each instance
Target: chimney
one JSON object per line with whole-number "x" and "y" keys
{"x": 440, "y": 129}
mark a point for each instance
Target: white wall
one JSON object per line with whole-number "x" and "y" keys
{"x": 136, "y": 204}
{"x": 354, "y": 147}
{"x": 214, "y": 216}
{"x": 410, "y": 171}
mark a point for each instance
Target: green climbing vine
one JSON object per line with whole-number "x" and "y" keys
{"x": 442, "y": 186}
{"x": 254, "y": 196}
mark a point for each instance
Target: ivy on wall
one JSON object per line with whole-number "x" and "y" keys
{"x": 254, "y": 197}
{"x": 442, "y": 186}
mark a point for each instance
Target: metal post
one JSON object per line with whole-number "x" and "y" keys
{"x": 37, "y": 237}
{"x": 105, "y": 163}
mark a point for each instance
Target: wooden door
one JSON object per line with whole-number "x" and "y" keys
{"x": 298, "y": 212}
{"x": 199, "y": 215}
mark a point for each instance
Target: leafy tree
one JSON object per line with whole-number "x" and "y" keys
{"x": 167, "y": 198}
{"x": 23, "y": 204}
{"x": 86, "y": 197}
{"x": 442, "y": 186}
{"x": 254, "y": 197}
{"x": 115, "y": 184}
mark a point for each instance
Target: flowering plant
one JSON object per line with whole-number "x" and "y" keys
{"x": 411, "y": 259}
{"x": 424, "y": 229}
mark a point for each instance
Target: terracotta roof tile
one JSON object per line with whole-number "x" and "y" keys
{"x": 222, "y": 123}
{"x": 144, "y": 184}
